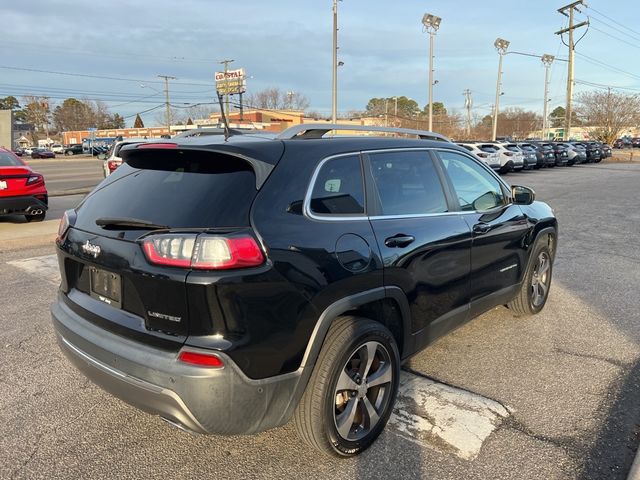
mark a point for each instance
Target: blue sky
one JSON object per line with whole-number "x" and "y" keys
{"x": 287, "y": 43}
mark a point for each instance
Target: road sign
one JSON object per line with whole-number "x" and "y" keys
{"x": 231, "y": 82}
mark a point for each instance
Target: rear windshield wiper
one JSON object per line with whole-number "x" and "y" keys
{"x": 128, "y": 223}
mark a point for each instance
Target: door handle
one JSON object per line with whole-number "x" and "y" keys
{"x": 399, "y": 241}
{"x": 481, "y": 228}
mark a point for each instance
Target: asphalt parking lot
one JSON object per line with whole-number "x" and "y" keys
{"x": 566, "y": 382}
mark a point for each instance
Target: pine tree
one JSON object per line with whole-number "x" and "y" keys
{"x": 138, "y": 123}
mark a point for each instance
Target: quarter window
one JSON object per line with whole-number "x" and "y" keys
{"x": 338, "y": 189}
{"x": 474, "y": 186}
{"x": 407, "y": 183}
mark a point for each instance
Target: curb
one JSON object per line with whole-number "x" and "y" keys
{"x": 27, "y": 235}
{"x": 62, "y": 158}
{"x": 75, "y": 191}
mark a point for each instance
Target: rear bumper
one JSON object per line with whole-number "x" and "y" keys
{"x": 22, "y": 204}
{"x": 202, "y": 400}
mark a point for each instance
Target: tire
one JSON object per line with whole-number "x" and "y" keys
{"x": 69, "y": 153}
{"x": 325, "y": 404}
{"x": 35, "y": 218}
{"x": 534, "y": 291}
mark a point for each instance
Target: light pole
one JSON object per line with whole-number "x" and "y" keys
{"x": 547, "y": 60}
{"x": 334, "y": 79}
{"x": 167, "y": 103}
{"x": 395, "y": 112}
{"x": 501, "y": 45}
{"x": 431, "y": 24}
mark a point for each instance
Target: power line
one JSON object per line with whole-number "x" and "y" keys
{"x": 606, "y": 65}
{"x": 614, "y": 21}
{"x": 84, "y": 75}
{"x": 615, "y": 38}
{"x": 601, "y": 85}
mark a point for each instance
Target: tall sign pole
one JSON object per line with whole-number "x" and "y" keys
{"x": 226, "y": 63}
{"x": 547, "y": 60}
{"x": 563, "y": 10}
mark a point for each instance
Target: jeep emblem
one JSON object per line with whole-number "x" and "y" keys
{"x": 90, "y": 249}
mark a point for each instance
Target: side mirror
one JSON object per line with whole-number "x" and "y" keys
{"x": 522, "y": 195}
{"x": 102, "y": 156}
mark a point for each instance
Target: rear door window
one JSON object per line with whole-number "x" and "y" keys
{"x": 9, "y": 160}
{"x": 339, "y": 189}
{"x": 407, "y": 183}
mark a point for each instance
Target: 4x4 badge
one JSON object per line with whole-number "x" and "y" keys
{"x": 91, "y": 249}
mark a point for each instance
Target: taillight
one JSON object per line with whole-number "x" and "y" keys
{"x": 200, "y": 359}
{"x": 65, "y": 223}
{"x": 112, "y": 165}
{"x": 33, "y": 179}
{"x": 483, "y": 155}
{"x": 204, "y": 252}
{"x": 508, "y": 154}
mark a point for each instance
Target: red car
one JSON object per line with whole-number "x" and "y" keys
{"x": 22, "y": 191}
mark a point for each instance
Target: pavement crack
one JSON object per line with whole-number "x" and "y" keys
{"x": 600, "y": 358}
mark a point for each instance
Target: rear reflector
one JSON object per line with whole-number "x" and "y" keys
{"x": 201, "y": 359}
{"x": 204, "y": 252}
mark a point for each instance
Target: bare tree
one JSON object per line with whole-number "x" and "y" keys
{"x": 608, "y": 113}
{"x": 275, "y": 99}
{"x": 37, "y": 112}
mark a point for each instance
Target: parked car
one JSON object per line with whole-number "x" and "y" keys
{"x": 42, "y": 153}
{"x": 622, "y": 143}
{"x": 577, "y": 152}
{"x": 486, "y": 153}
{"x": 22, "y": 191}
{"x": 111, "y": 159}
{"x": 530, "y": 157}
{"x": 572, "y": 156}
{"x": 594, "y": 153}
{"x": 635, "y": 142}
{"x": 512, "y": 158}
{"x": 27, "y": 150}
{"x": 18, "y": 151}
{"x": 606, "y": 150}
{"x": 73, "y": 149}
{"x": 544, "y": 153}
{"x": 57, "y": 148}
{"x": 228, "y": 285}
{"x": 529, "y": 147}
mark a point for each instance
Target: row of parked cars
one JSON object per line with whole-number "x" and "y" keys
{"x": 627, "y": 142}
{"x": 504, "y": 156}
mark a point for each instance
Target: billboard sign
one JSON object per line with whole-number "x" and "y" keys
{"x": 231, "y": 82}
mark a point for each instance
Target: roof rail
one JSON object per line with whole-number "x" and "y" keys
{"x": 318, "y": 130}
{"x": 205, "y": 131}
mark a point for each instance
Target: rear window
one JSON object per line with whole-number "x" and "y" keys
{"x": 198, "y": 190}
{"x": 9, "y": 160}
{"x": 512, "y": 148}
{"x": 488, "y": 148}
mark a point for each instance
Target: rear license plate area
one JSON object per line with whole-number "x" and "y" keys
{"x": 106, "y": 287}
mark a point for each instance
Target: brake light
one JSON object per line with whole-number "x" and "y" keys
{"x": 203, "y": 252}
{"x": 483, "y": 155}
{"x": 508, "y": 154}
{"x": 33, "y": 179}
{"x": 112, "y": 165}
{"x": 201, "y": 359}
{"x": 158, "y": 145}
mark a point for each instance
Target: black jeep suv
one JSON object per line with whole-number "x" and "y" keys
{"x": 229, "y": 285}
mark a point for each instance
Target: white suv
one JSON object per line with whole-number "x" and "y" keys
{"x": 111, "y": 160}
{"x": 486, "y": 152}
{"x": 511, "y": 157}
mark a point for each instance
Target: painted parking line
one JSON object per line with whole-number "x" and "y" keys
{"x": 45, "y": 267}
{"x": 428, "y": 413}
{"x": 444, "y": 417}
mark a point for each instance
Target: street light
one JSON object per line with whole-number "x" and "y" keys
{"x": 334, "y": 71}
{"x": 501, "y": 46}
{"x": 547, "y": 60}
{"x": 431, "y": 24}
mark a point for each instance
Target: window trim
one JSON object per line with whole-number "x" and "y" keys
{"x": 506, "y": 190}
{"x": 306, "y": 206}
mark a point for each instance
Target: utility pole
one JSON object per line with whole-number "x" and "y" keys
{"x": 226, "y": 84}
{"x": 468, "y": 105}
{"x": 334, "y": 73}
{"x": 547, "y": 60}
{"x": 166, "y": 96}
{"x": 501, "y": 46}
{"x": 563, "y": 10}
